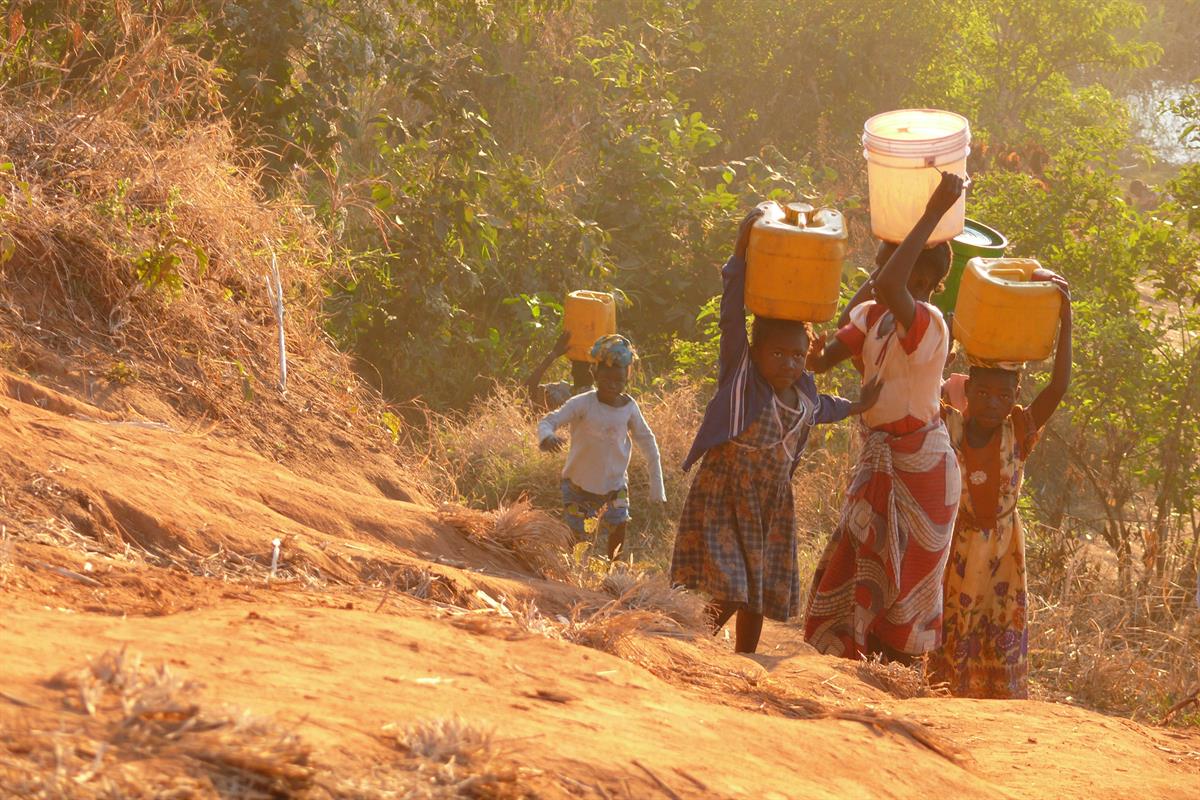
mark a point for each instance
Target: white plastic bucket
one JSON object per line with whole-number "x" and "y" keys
{"x": 904, "y": 151}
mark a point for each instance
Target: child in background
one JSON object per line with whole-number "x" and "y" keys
{"x": 877, "y": 588}
{"x": 985, "y": 648}
{"x": 548, "y": 396}
{"x": 737, "y": 536}
{"x": 595, "y": 482}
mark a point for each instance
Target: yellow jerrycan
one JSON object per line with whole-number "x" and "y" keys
{"x": 1002, "y": 314}
{"x": 794, "y": 262}
{"x": 586, "y": 317}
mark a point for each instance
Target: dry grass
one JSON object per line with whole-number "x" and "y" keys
{"x": 611, "y": 627}
{"x": 137, "y": 282}
{"x": 642, "y": 604}
{"x": 126, "y": 730}
{"x": 1091, "y": 645}
{"x": 641, "y": 590}
{"x": 128, "y": 60}
{"x": 132, "y": 731}
{"x": 487, "y": 457}
{"x": 538, "y": 541}
{"x": 449, "y": 739}
{"x": 628, "y": 605}
{"x": 898, "y": 680}
{"x": 452, "y": 757}
{"x": 537, "y": 538}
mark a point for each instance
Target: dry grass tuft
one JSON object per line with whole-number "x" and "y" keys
{"x": 538, "y": 541}
{"x": 536, "y": 537}
{"x": 457, "y": 758}
{"x": 449, "y": 739}
{"x": 641, "y": 605}
{"x": 610, "y": 628}
{"x": 646, "y": 607}
{"x": 640, "y": 590}
{"x": 900, "y": 681}
{"x": 139, "y": 732}
{"x": 488, "y": 456}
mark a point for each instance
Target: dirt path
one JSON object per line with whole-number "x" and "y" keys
{"x": 325, "y": 658}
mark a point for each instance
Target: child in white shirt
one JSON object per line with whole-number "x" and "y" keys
{"x": 603, "y": 422}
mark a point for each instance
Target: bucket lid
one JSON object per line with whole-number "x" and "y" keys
{"x": 978, "y": 239}
{"x": 589, "y": 295}
{"x": 917, "y": 133}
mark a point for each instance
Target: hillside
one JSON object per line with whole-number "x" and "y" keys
{"x": 128, "y": 541}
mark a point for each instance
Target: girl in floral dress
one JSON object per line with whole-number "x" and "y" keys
{"x": 985, "y": 647}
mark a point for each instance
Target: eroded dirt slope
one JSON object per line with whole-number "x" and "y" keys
{"x": 381, "y": 618}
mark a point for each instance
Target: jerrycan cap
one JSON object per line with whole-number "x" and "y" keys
{"x": 798, "y": 214}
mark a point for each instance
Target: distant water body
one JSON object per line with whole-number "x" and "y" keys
{"x": 1157, "y": 126}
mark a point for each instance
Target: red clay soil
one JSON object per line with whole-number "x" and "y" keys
{"x": 134, "y": 536}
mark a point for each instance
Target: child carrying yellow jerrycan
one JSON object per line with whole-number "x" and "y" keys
{"x": 985, "y": 645}
{"x": 603, "y": 421}
{"x": 587, "y": 316}
{"x": 737, "y": 537}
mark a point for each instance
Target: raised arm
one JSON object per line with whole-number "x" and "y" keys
{"x": 560, "y": 349}
{"x": 1052, "y": 395}
{"x": 643, "y": 437}
{"x": 891, "y": 283}
{"x": 734, "y": 343}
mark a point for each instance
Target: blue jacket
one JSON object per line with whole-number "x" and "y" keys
{"x": 743, "y": 393}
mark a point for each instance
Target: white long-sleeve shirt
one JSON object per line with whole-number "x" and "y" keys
{"x": 598, "y": 460}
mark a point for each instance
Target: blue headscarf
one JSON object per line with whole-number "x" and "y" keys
{"x": 613, "y": 350}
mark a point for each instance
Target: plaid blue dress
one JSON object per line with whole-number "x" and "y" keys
{"x": 737, "y": 535}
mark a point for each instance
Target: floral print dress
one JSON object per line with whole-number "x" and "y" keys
{"x": 985, "y": 650}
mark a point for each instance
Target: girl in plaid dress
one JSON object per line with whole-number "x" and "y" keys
{"x": 737, "y": 536}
